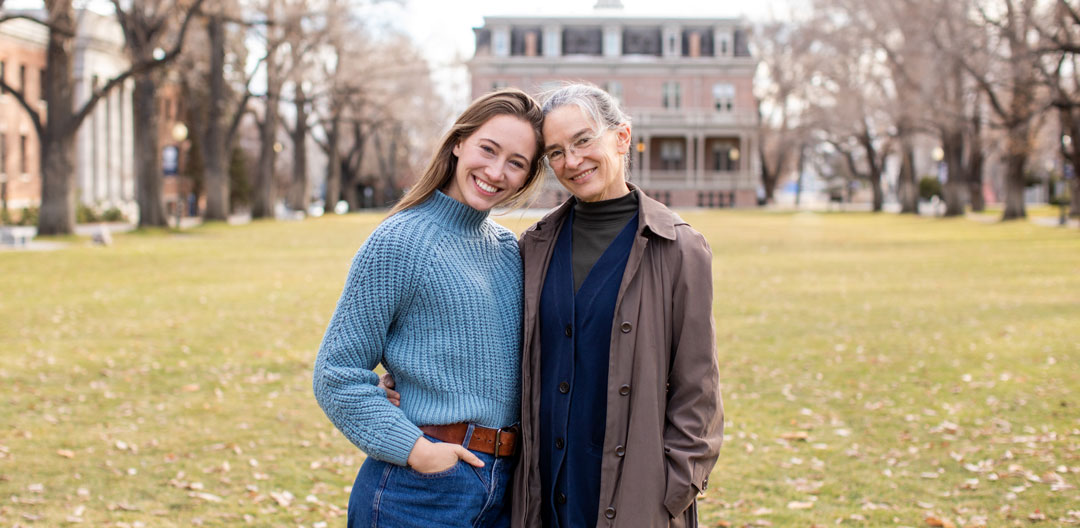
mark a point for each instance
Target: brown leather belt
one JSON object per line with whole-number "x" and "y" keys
{"x": 498, "y": 442}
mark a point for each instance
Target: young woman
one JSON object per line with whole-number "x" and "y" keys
{"x": 435, "y": 295}
{"x": 621, "y": 412}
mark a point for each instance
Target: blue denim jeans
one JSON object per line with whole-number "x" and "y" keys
{"x": 390, "y": 496}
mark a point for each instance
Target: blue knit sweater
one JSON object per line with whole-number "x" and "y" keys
{"x": 435, "y": 295}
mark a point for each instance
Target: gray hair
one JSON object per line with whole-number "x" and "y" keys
{"x": 598, "y": 105}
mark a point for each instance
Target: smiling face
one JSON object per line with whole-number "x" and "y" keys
{"x": 588, "y": 164}
{"x": 493, "y": 162}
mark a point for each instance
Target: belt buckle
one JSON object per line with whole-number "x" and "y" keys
{"x": 498, "y": 441}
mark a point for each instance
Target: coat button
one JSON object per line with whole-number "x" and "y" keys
{"x": 626, "y": 327}
{"x": 569, "y": 331}
{"x": 560, "y": 498}
{"x": 609, "y": 513}
{"x": 559, "y": 443}
{"x": 705, "y": 484}
{"x": 624, "y": 390}
{"x": 620, "y": 451}
{"x": 564, "y": 387}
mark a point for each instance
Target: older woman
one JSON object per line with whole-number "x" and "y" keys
{"x": 621, "y": 411}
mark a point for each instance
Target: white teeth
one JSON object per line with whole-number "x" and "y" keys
{"x": 485, "y": 187}
{"x": 586, "y": 173}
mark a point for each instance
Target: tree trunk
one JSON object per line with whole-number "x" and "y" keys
{"x": 214, "y": 147}
{"x": 299, "y": 190}
{"x": 265, "y": 184}
{"x": 908, "y": 189}
{"x": 952, "y": 141}
{"x": 799, "y": 176}
{"x": 1074, "y": 196}
{"x": 875, "y": 168}
{"x": 976, "y": 159}
{"x": 148, "y": 177}
{"x": 348, "y": 187}
{"x": 769, "y": 177}
{"x": 57, "y": 213}
{"x": 333, "y": 164}
{"x": 1014, "y": 181}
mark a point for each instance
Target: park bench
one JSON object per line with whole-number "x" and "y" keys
{"x": 17, "y": 236}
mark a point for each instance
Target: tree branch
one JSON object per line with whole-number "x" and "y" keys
{"x": 139, "y": 67}
{"x": 35, "y": 116}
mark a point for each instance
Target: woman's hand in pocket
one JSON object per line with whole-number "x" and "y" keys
{"x": 430, "y": 457}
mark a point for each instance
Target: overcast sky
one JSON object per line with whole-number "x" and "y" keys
{"x": 443, "y": 28}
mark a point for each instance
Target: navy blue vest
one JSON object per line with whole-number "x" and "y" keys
{"x": 575, "y": 337}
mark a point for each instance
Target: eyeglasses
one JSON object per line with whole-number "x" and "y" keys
{"x": 581, "y": 145}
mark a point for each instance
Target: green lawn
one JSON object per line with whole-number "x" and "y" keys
{"x": 877, "y": 370}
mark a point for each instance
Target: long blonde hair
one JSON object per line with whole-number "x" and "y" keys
{"x": 508, "y": 101}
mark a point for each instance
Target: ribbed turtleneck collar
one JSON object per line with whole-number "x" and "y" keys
{"x": 452, "y": 214}
{"x": 607, "y": 212}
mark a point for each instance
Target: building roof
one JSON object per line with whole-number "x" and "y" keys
{"x": 610, "y": 16}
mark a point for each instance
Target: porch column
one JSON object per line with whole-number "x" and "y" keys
{"x": 688, "y": 158}
{"x": 701, "y": 159}
{"x": 645, "y": 176}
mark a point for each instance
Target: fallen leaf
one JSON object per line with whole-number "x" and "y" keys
{"x": 797, "y": 435}
{"x": 283, "y": 498}
{"x": 190, "y": 388}
{"x": 942, "y": 523}
{"x": 66, "y": 453}
{"x": 799, "y": 505}
{"x": 209, "y": 497}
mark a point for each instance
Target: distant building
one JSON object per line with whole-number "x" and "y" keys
{"x": 104, "y": 164}
{"x": 686, "y": 82}
{"x": 104, "y": 144}
{"x": 22, "y": 63}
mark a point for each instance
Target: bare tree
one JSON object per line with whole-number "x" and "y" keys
{"x": 786, "y": 58}
{"x": 1007, "y": 76}
{"x": 57, "y": 128}
{"x": 227, "y": 107}
{"x": 852, "y": 97}
{"x": 382, "y": 110}
{"x": 1059, "y": 68}
{"x": 146, "y": 25}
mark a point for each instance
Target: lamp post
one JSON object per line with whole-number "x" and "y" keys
{"x": 734, "y": 155}
{"x": 938, "y": 154}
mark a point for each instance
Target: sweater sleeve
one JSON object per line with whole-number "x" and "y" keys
{"x": 380, "y": 283}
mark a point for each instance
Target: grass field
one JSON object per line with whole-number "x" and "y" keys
{"x": 878, "y": 371}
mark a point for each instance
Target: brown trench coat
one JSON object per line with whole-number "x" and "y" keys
{"x": 665, "y": 419}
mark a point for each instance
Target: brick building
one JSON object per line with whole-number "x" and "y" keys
{"x": 686, "y": 83}
{"x": 104, "y": 144}
{"x": 22, "y": 61}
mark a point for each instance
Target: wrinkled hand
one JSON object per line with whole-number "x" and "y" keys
{"x": 386, "y": 382}
{"x": 430, "y": 457}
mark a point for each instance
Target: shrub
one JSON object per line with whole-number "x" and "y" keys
{"x": 113, "y": 214}
{"x": 929, "y": 187}
{"x": 84, "y": 214}
{"x": 29, "y": 216}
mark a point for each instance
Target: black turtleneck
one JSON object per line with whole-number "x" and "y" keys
{"x": 596, "y": 224}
